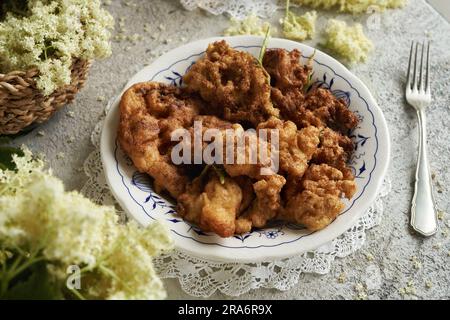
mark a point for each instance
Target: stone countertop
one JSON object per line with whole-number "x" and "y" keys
{"x": 406, "y": 265}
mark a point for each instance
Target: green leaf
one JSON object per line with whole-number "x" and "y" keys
{"x": 6, "y": 157}
{"x": 36, "y": 284}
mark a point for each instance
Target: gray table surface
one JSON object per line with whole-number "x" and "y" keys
{"x": 402, "y": 259}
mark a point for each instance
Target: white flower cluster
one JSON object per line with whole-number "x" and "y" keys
{"x": 348, "y": 42}
{"x": 353, "y": 6}
{"x": 50, "y": 35}
{"x": 68, "y": 229}
{"x": 250, "y": 25}
{"x": 301, "y": 27}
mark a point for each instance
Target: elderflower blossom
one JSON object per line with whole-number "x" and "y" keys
{"x": 137, "y": 280}
{"x": 348, "y": 42}
{"x": 353, "y": 6}
{"x": 251, "y": 25}
{"x": 70, "y": 229}
{"x": 51, "y": 36}
{"x": 299, "y": 28}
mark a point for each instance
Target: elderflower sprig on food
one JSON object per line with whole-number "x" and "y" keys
{"x": 262, "y": 53}
{"x": 310, "y": 81}
{"x": 41, "y": 222}
{"x": 50, "y": 35}
{"x": 221, "y": 174}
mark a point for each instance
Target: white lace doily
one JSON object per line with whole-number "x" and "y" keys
{"x": 202, "y": 278}
{"x": 236, "y": 8}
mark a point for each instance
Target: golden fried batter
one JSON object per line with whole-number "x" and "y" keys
{"x": 248, "y": 161}
{"x": 266, "y": 204}
{"x": 228, "y": 90}
{"x": 286, "y": 72}
{"x": 319, "y": 203}
{"x": 291, "y": 105}
{"x": 148, "y": 113}
{"x": 214, "y": 206}
{"x": 241, "y": 147}
{"x": 330, "y": 110}
{"x": 290, "y": 93}
{"x": 233, "y": 84}
{"x": 334, "y": 150}
{"x": 248, "y": 194}
{"x": 296, "y": 147}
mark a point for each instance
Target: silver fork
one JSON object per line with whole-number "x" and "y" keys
{"x": 418, "y": 95}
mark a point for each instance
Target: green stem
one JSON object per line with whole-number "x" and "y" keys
{"x": 204, "y": 171}
{"x": 77, "y": 294}
{"x": 87, "y": 269}
{"x": 16, "y": 262}
{"x": 111, "y": 273}
{"x": 264, "y": 47}
{"x": 6, "y": 277}
{"x": 220, "y": 174}
{"x": 3, "y": 270}
{"x": 18, "y": 266}
{"x": 287, "y": 7}
{"x": 26, "y": 265}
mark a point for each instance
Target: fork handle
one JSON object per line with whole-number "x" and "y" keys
{"x": 423, "y": 211}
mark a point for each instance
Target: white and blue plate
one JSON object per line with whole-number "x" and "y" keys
{"x": 134, "y": 192}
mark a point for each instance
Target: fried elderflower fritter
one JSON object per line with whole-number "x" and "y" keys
{"x": 149, "y": 112}
{"x": 319, "y": 203}
{"x": 300, "y": 102}
{"x": 266, "y": 204}
{"x": 233, "y": 84}
{"x": 211, "y": 204}
{"x": 300, "y": 180}
{"x": 296, "y": 147}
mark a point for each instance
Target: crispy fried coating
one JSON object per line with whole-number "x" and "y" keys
{"x": 228, "y": 90}
{"x": 319, "y": 108}
{"x": 296, "y": 147}
{"x": 319, "y": 203}
{"x": 240, "y": 149}
{"x": 334, "y": 150}
{"x": 148, "y": 113}
{"x": 330, "y": 110}
{"x": 248, "y": 195}
{"x": 247, "y": 159}
{"x": 316, "y": 107}
{"x": 286, "y": 72}
{"x": 291, "y": 105}
{"x": 233, "y": 84}
{"x": 266, "y": 204}
{"x": 213, "y": 206}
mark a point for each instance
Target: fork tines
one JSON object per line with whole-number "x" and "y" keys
{"x": 416, "y": 79}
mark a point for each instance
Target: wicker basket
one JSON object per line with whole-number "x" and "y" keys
{"x": 22, "y": 104}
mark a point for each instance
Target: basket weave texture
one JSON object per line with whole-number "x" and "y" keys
{"x": 23, "y": 104}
